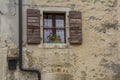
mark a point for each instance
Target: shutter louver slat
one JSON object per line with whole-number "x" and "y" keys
{"x": 33, "y": 26}
{"x": 75, "y": 23}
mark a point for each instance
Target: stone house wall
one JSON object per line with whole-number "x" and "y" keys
{"x": 96, "y": 59}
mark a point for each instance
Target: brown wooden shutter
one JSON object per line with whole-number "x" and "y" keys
{"x": 33, "y": 26}
{"x": 75, "y": 23}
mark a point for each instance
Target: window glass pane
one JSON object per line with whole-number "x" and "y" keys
{"x": 47, "y": 20}
{"x": 60, "y": 21}
{"x": 61, "y": 34}
{"x": 47, "y": 32}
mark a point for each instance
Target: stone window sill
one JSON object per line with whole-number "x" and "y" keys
{"x": 57, "y": 46}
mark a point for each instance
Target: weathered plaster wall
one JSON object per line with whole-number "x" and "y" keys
{"x": 96, "y": 59}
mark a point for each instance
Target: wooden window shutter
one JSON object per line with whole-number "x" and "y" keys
{"x": 75, "y": 23}
{"x": 33, "y": 26}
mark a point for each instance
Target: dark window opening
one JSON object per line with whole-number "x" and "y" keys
{"x": 54, "y": 28}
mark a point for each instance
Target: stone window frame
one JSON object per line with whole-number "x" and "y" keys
{"x": 60, "y": 10}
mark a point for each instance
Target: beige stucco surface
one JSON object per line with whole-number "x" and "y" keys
{"x": 96, "y": 59}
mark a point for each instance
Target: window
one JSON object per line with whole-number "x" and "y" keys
{"x": 54, "y": 28}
